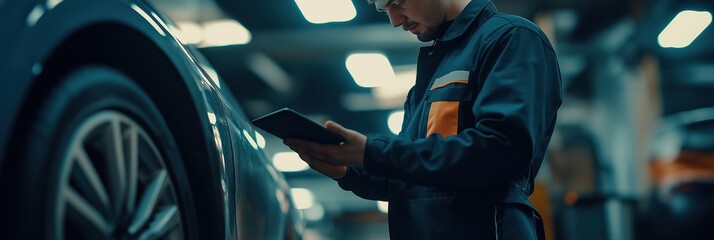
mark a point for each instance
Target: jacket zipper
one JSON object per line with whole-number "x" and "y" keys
{"x": 433, "y": 45}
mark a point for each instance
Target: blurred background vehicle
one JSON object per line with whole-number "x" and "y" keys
{"x": 681, "y": 200}
{"x": 114, "y": 129}
{"x": 629, "y": 68}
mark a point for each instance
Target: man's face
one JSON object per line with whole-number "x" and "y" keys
{"x": 420, "y": 17}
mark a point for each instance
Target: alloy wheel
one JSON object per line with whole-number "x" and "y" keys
{"x": 114, "y": 184}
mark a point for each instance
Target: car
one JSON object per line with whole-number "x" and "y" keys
{"x": 681, "y": 175}
{"x": 112, "y": 128}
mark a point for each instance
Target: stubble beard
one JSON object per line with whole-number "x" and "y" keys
{"x": 432, "y": 32}
{"x": 428, "y": 35}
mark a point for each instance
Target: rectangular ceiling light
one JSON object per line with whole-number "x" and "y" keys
{"x": 370, "y": 69}
{"x": 302, "y": 197}
{"x": 189, "y": 32}
{"x": 324, "y": 11}
{"x": 289, "y": 162}
{"x": 684, "y": 28}
{"x": 406, "y": 77}
{"x": 224, "y": 32}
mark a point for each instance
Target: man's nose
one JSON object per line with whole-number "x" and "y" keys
{"x": 396, "y": 18}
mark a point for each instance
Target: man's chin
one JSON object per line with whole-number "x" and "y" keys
{"x": 424, "y": 37}
{"x": 427, "y": 35}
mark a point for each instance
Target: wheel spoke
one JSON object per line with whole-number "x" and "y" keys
{"x": 116, "y": 165}
{"x": 163, "y": 222}
{"x": 115, "y": 184}
{"x": 133, "y": 159}
{"x": 148, "y": 201}
{"x": 89, "y": 173}
{"x": 81, "y": 212}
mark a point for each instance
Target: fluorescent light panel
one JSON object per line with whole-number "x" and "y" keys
{"x": 370, "y": 69}
{"x": 324, "y": 11}
{"x": 399, "y": 88}
{"x": 684, "y": 28}
{"x": 289, "y": 162}
{"x": 213, "y": 33}
{"x": 190, "y": 32}
{"x": 224, "y": 32}
{"x": 302, "y": 197}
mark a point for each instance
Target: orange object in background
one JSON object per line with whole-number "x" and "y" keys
{"x": 541, "y": 201}
{"x": 682, "y": 178}
{"x": 687, "y": 166}
{"x": 570, "y": 198}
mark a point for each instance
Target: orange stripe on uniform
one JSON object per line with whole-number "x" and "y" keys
{"x": 443, "y": 118}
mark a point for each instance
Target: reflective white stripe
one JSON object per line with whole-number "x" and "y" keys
{"x": 450, "y": 77}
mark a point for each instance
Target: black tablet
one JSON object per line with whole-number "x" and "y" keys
{"x": 287, "y": 123}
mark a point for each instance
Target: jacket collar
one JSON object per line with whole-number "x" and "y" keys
{"x": 462, "y": 22}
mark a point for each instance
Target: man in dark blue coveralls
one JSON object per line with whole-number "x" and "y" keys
{"x": 476, "y": 126}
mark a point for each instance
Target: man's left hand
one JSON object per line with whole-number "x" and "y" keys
{"x": 351, "y": 153}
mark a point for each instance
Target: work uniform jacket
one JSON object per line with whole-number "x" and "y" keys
{"x": 476, "y": 126}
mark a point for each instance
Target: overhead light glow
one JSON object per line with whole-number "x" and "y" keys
{"x": 684, "y": 28}
{"x": 302, "y": 197}
{"x": 370, "y": 69}
{"x": 315, "y": 213}
{"x": 289, "y": 162}
{"x": 399, "y": 88}
{"x": 224, "y": 32}
{"x": 324, "y": 11}
{"x": 190, "y": 32}
{"x": 383, "y": 206}
{"x": 395, "y": 121}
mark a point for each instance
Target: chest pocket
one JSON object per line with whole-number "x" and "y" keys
{"x": 444, "y": 99}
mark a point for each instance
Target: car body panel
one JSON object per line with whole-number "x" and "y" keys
{"x": 254, "y": 193}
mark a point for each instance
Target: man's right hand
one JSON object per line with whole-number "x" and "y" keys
{"x": 329, "y": 170}
{"x": 332, "y": 171}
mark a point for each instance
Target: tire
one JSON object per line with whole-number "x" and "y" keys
{"x": 99, "y": 162}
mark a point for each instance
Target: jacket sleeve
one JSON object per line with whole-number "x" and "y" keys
{"x": 514, "y": 115}
{"x": 365, "y": 186}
